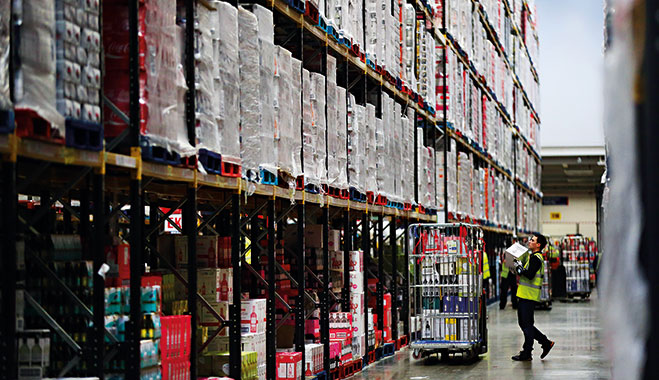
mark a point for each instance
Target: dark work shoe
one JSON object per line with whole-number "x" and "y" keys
{"x": 522, "y": 357}
{"x": 501, "y": 307}
{"x": 546, "y": 348}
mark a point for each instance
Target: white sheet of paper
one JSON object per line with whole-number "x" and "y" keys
{"x": 514, "y": 252}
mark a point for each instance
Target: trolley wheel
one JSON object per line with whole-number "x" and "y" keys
{"x": 417, "y": 354}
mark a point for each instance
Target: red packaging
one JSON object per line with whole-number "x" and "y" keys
{"x": 312, "y": 328}
{"x": 289, "y": 365}
{"x": 122, "y": 253}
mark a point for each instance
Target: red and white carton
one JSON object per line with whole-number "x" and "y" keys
{"x": 181, "y": 251}
{"x": 289, "y": 365}
{"x": 357, "y": 310}
{"x": 336, "y": 260}
{"x": 356, "y": 261}
{"x": 207, "y": 252}
{"x": 312, "y": 327}
{"x": 356, "y": 282}
{"x": 334, "y": 240}
{"x": 313, "y": 362}
{"x": 252, "y": 316}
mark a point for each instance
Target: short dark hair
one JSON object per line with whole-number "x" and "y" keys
{"x": 542, "y": 240}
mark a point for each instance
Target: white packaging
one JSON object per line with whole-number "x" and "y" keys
{"x": 356, "y": 261}
{"x": 253, "y": 316}
{"x": 356, "y": 282}
{"x": 357, "y": 309}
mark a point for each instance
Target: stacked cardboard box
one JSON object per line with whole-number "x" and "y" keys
{"x": 356, "y": 267}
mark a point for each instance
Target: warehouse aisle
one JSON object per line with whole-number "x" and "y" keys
{"x": 578, "y": 353}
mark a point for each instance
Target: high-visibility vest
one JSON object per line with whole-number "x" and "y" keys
{"x": 504, "y": 270}
{"x": 531, "y": 289}
{"x": 486, "y": 267}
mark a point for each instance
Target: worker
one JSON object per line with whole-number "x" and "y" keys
{"x": 508, "y": 281}
{"x": 486, "y": 275}
{"x": 528, "y": 292}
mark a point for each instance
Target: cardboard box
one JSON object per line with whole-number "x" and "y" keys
{"x": 313, "y": 362}
{"x": 359, "y": 346}
{"x": 514, "y": 252}
{"x": 336, "y": 260}
{"x": 356, "y": 282}
{"x": 312, "y": 327}
{"x": 207, "y": 252}
{"x": 208, "y": 319}
{"x": 313, "y": 236}
{"x": 253, "y": 316}
{"x": 334, "y": 240}
{"x": 181, "y": 251}
{"x": 356, "y": 261}
{"x": 289, "y": 365}
{"x": 357, "y": 310}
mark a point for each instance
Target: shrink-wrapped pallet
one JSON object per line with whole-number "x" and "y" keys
{"x": 340, "y": 179}
{"x": 309, "y": 134}
{"x": 5, "y": 25}
{"x": 162, "y": 83}
{"x": 250, "y": 94}
{"x": 318, "y": 120}
{"x": 35, "y": 72}
{"x": 287, "y": 114}
{"x": 207, "y": 101}
{"x": 371, "y": 155}
{"x": 228, "y": 83}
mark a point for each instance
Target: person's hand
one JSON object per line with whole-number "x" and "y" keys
{"x": 518, "y": 266}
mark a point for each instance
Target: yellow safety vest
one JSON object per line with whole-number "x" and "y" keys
{"x": 504, "y": 270}
{"x": 531, "y": 289}
{"x": 486, "y": 267}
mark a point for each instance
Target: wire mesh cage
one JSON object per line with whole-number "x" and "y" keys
{"x": 446, "y": 285}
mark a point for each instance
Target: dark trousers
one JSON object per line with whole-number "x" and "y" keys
{"x": 525, "y": 309}
{"x": 509, "y": 282}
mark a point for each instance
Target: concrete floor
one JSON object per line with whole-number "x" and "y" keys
{"x": 578, "y": 353}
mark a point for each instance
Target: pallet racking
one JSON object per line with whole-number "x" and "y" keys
{"x": 105, "y": 182}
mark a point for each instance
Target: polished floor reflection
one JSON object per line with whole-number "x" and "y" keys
{"x": 578, "y": 353}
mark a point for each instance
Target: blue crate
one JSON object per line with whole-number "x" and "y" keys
{"x": 357, "y": 196}
{"x": 388, "y": 349}
{"x": 268, "y": 178}
{"x": 211, "y": 161}
{"x": 84, "y": 134}
{"x": 157, "y": 154}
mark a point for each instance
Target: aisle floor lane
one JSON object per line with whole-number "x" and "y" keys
{"x": 578, "y": 353}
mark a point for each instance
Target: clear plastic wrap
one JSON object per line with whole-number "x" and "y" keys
{"x": 250, "y": 94}
{"x": 362, "y": 160}
{"x": 408, "y": 156}
{"x": 341, "y": 180}
{"x": 267, "y": 156}
{"x": 287, "y": 114}
{"x": 162, "y": 82}
{"x": 371, "y": 154}
{"x": 355, "y": 151}
{"x": 266, "y": 23}
{"x": 309, "y": 135}
{"x": 5, "y": 25}
{"x": 228, "y": 83}
{"x": 333, "y": 142}
{"x": 318, "y": 120}
{"x": 388, "y": 129}
{"x": 397, "y": 154}
{"x": 296, "y": 112}
{"x": 382, "y": 158}
{"x": 35, "y": 75}
{"x": 207, "y": 99}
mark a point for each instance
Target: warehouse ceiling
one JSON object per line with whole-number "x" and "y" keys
{"x": 571, "y": 170}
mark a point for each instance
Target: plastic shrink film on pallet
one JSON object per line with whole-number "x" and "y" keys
{"x": 356, "y": 145}
{"x": 267, "y": 158}
{"x": 396, "y": 150}
{"x": 371, "y": 29}
{"x": 440, "y": 176}
{"x": 409, "y": 157}
{"x": 390, "y": 142}
{"x": 452, "y": 176}
{"x": 318, "y": 120}
{"x": 251, "y": 136}
{"x": 363, "y": 134}
{"x": 380, "y": 146}
{"x": 5, "y": 28}
{"x": 162, "y": 83}
{"x": 78, "y": 47}
{"x": 309, "y": 135}
{"x": 296, "y": 113}
{"x": 35, "y": 72}
{"x": 370, "y": 172}
{"x": 228, "y": 83}
{"x": 207, "y": 101}
{"x": 287, "y": 115}
{"x": 409, "y": 32}
{"x": 341, "y": 180}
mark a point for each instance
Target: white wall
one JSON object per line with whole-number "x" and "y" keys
{"x": 581, "y": 209}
